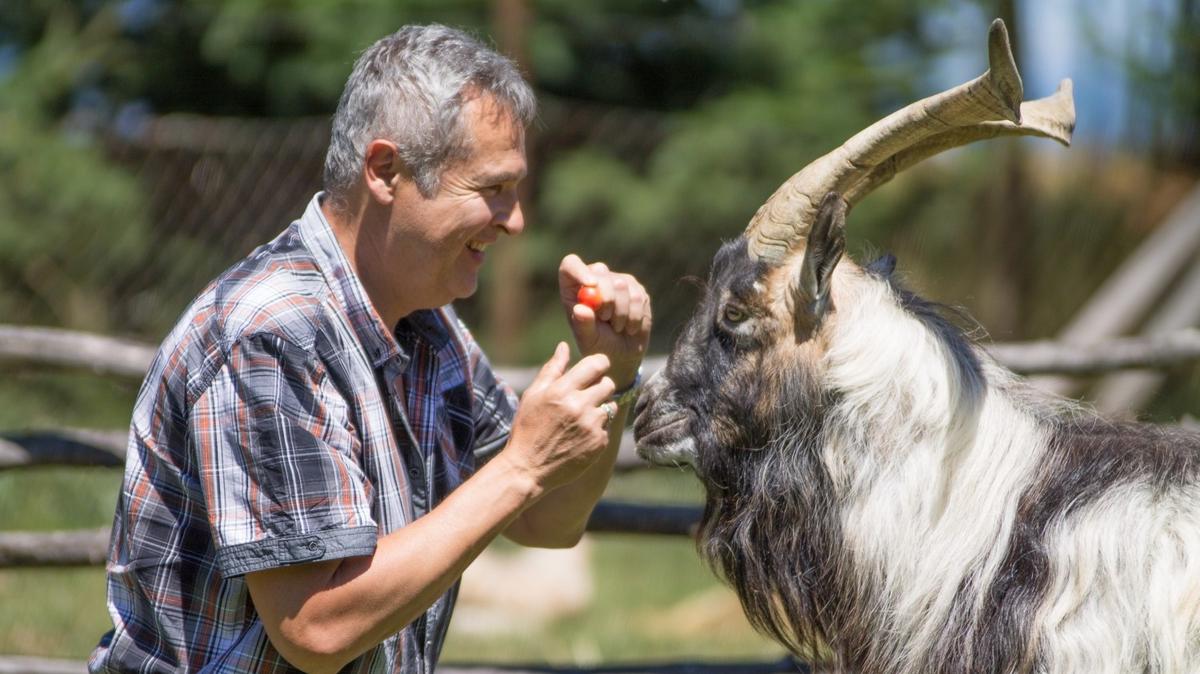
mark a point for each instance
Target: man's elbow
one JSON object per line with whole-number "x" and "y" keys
{"x": 531, "y": 535}
{"x": 560, "y": 539}
{"x": 312, "y": 648}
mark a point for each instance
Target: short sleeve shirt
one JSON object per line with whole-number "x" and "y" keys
{"x": 283, "y": 423}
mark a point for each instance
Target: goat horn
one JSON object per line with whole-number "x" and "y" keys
{"x": 985, "y": 107}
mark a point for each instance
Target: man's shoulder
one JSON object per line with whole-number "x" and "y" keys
{"x": 278, "y": 290}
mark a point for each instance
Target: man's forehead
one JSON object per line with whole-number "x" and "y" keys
{"x": 482, "y": 108}
{"x": 497, "y": 141}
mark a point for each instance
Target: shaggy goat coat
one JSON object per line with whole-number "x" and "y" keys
{"x": 883, "y": 489}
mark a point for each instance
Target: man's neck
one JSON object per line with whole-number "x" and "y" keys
{"x": 354, "y": 230}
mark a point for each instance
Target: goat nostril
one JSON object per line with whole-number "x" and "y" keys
{"x": 641, "y": 404}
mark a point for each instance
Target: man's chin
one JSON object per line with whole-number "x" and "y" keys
{"x": 465, "y": 288}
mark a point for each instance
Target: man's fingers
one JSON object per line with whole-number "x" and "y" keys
{"x": 600, "y": 391}
{"x": 620, "y": 302}
{"x": 572, "y": 273}
{"x": 598, "y": 276}
{"x": 586, "y": 372}
{"x": 639, "y": 310}
{"x": 604, "y": 284}
{"x": 623, "y": 302}
{"x": 553, "y": 368}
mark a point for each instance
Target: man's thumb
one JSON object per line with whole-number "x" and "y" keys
{"x": 584, "y": 323}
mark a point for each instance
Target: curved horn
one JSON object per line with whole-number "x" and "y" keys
{"x": 987, "y": 106}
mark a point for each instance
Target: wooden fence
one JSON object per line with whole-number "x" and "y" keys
{"x": 116, "y": 357}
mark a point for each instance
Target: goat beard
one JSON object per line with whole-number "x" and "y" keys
{"x": 771, "y": 530}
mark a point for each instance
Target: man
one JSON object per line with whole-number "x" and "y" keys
{"x": 306, "y": 478}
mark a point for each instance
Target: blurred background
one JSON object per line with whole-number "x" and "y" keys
{"x": 145, "y": 145}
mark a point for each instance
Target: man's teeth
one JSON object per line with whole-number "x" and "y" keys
{"x": 476, "y": 246}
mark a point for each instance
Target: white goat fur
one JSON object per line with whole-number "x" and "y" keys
{"x": 932, "y": 462}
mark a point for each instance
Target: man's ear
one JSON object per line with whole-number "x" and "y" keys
{"x": 382, "y": 170}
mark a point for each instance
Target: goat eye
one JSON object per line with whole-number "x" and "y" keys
{"x": 735, "y": 314}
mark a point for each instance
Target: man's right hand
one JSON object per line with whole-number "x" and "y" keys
{"x": 321, "y": 615}
{"x": 560, "y": 428}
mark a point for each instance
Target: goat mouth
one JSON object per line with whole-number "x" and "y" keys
{"x": 666, "y": 442}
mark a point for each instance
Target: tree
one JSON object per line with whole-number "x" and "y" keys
{"x": 68, "y": 219}
{"x": 796, "y": 79}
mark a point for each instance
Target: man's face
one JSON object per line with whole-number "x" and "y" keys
{"x": 441, "y": 241}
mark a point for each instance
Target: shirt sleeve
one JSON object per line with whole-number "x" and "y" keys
{"x": 279, "y": 461}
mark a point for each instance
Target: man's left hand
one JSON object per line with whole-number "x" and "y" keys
{"x": 619, "y": 327}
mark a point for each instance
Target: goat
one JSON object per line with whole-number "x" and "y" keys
{"x": 880, "y": 491}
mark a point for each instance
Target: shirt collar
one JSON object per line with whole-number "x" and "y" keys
{"x": 380, "y": 343}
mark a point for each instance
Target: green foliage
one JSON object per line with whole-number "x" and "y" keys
{"x": 269, "y": 57}
{"x": 69, "y": 220}
{"x": 1162, "y": 58}
{"x": 795, "y": 88}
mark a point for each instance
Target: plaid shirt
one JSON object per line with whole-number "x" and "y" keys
{"x": 283, "y": 423}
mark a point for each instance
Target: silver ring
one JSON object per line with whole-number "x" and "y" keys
{"x": 610, "y": 411}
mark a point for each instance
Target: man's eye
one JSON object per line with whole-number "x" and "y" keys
{"x": 735, "y": 314}
{"x": 492, "y": 190}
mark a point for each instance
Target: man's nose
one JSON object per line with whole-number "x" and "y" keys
{"x": 512, "y": 221}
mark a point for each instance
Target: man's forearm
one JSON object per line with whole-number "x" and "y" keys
{"x": 321, "y": 616}
{"x": 559, "y": 518}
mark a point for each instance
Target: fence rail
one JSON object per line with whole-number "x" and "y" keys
{"x": 89, "y": 547}
{"x": 1120, "y": 353}
{"x": 67, "y": 447}
{"x": 85, "y": 547}
{"x": 54, "y": 346}
{"x": 81, "y": 447}
{"x": 84, "y": 447}
{"x": 115, "y": 356}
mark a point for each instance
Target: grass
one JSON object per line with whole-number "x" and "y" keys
{"x": 57, "y": 612}
{"x": 54, "y": 612}
{"x": 53, "y": 398}
{"x": 654, "y": 601}
{"x": 653, "y": 598}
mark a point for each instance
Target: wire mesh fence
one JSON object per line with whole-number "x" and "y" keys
{"x": 214, "y": 188}
{"x": 1020, "y": 260}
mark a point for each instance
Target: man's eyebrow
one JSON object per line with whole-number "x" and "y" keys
{"x": 500, "y": 177}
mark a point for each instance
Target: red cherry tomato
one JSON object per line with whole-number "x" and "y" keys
{"x": 589, "y": 296}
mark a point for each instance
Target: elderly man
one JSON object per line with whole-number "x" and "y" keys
{"x": 320, "y": 448}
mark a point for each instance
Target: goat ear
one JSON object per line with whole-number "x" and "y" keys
{"x": 825, "y": 245}
{"x": 885, "y": 266}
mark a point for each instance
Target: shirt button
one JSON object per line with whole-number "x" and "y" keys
{"x": 414, "y": 473}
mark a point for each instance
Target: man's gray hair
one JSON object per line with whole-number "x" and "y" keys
{"x": 410, "y": 88}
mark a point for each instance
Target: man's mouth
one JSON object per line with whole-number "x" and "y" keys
{"x": 477, "y": 246}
